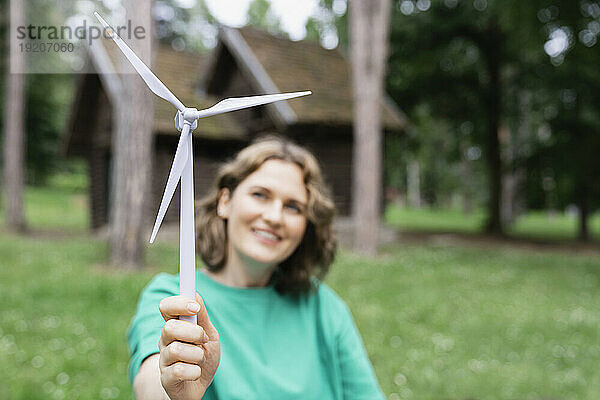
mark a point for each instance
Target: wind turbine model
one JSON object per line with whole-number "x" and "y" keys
{"x": 186, "y": 120}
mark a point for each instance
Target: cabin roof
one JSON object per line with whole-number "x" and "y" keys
{"x": 270, "y": 63}
{"x": 277, "y": 64}
{"x": 180, "y": 71}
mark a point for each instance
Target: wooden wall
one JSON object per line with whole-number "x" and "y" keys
{"x": 333, "y": 148}
{"x": 208, "y": 155}
{"x": 99, "y": 160}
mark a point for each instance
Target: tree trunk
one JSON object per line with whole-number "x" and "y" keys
{"x": 509, "y": 181}
{"x": 132, "y": 151}
{"x": 14, "y": 114}
{"x": 583, "y": 233}
{"x": 413, "y": 184}
{"x": 369, "y": 26}
{"x": 494, "y": 222}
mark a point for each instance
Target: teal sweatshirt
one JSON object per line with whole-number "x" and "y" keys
{"x": 272, "y": 346}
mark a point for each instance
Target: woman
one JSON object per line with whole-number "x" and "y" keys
{"x": 274, "y": 331}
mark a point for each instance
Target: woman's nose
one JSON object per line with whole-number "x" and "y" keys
{"x": 273, "y": 212}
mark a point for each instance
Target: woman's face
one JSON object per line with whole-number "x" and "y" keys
{"x": 266, "y": 214}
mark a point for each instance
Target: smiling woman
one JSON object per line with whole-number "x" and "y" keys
{"x": 274, "y": 331}
{"x": 265, "y": 222}
{"x": 275, "y": 187}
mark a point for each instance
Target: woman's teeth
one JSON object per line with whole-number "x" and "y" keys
{"x": 266, "y": 235}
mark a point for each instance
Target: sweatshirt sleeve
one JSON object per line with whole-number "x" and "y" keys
{"x": 358, "y": 377}
{"x": 146, "y": 325}
{"x": 353, "y": 370}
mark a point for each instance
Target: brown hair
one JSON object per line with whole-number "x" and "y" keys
{"x": 315, "y": 252}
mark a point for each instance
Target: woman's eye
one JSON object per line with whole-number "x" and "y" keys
{"x": 294, "y": 208}
{"x": 259, "y": 195}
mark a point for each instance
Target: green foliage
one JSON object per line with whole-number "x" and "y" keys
{"x": 47, "y": 101}
{"x": 3, "y": 66}
{"x": 443, "y": 55}
{"x": 566, "y": 160}
{"x": 48, "y": 98}
{"x": 191, "y": 28}
{"x": 261, "y": 16}
{"x": 443, "y": 152}
{"x": 329, "y": 24}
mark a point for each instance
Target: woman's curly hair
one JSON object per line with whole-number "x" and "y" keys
{"x": 316, "y": 250}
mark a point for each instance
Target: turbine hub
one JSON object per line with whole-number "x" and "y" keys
{"x": 188, "y": 115}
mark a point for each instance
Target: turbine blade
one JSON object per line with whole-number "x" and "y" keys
{"x": 179, "y": 161}
{"x": 151, "y": 80}
{"x": 238, "y": 103}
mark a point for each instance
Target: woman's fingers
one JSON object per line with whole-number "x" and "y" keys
{"x": 189, "y": 353}
{"x": 179, "y": 372}
{"x": 182, "y": 331}
{"x": 204, "y": 320}
{"x": 174, "y": 306}
{"x": 181, "y": 352}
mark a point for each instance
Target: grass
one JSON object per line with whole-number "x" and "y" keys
{"x": 552, "y": 226}
{"x": 534, "y": 224}
{"x": 438, "y": 322}
{"x": 53, "y": 208}
{"x": 456, "y": 323}
{"x": 434, "y": 220}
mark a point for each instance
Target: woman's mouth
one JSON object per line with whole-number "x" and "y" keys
{"x": 266, "y": 236}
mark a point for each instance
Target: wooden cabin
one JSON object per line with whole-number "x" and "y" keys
{"x": 245, "y": 62}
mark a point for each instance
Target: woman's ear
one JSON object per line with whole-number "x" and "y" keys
{"x": 223, "y": 204}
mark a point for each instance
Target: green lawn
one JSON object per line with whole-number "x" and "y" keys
{"x": 534, "y": 224}
{"x": 434, "y": 220}
{"x": 438, "y": 322}
{"x": 552, "y": 226}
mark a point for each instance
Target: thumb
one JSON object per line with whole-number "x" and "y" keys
{"x": 204, "y": 320}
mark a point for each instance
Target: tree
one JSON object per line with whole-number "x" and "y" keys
{"x": 565, "y": 161}
{"x": 132, "y": 152}
{"x": 462, "y": 58}
{"x": 260, "y": 15}
{"x": 46, "y": 100}
{"x": 14, "y": 124}
{"x": 329, "y": 24}
{"x": 183, "y": 27}
{"x": 369, "y": 23}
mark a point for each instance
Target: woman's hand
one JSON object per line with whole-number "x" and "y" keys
{"x": 189, "y": 354}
